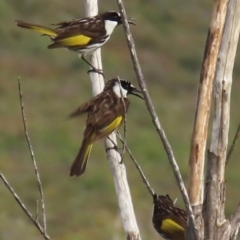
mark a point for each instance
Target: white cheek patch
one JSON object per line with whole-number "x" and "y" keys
{"x": 119, "y": 90}
{"x": 110, "y": 25}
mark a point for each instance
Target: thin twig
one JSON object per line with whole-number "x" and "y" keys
{"x": 233, "y": 144}
{"x": 235, "y": 234}
{"x": 154, "y": 116}
{"x": 235, "y": 222}
{"x": 124, "y": 121}
{"x": 150, "y": 189}
{"x": 37, "y": 214}
{"x": 21, "y": 204}
{"x": 32, "y": 156}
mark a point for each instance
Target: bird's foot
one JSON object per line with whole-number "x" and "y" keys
{"x": 112, "y": 148}
{"x": 116, "y": 148}
{"x": 99, "y": 71}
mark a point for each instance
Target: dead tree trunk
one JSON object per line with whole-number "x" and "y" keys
{"x": 216, "y": 76}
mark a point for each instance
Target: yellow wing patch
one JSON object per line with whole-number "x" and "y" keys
{"x": 112, "y": 126}
{"x": 75, "y": 40}
{"x": 169, "y": 225}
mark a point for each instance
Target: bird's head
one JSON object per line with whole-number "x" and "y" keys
{"x": 122, "y": 88}
{"x": 162, "y": 201}
{"x": 116, "y": 17}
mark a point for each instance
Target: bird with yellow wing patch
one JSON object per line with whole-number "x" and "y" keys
{"x": 83, "y": 36}
{"x": 169, "y": 221}
{"x": 105, "y": 113}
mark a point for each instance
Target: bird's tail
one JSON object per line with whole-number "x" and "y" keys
{"x": 79, "y": 165}
{"x": 38, "y": 28}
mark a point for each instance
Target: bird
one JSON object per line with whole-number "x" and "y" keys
{"x": 83, "y": 36}
{"x": 169, "y": 221}
{"x": 105, "y": 113}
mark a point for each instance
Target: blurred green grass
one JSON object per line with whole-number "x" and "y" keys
{"x": 170, "y": 45}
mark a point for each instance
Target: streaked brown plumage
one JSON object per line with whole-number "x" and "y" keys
{"x": 169, "y": 221}
{"x": 105, "y": 114}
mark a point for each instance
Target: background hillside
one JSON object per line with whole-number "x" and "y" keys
{"x": 170, "y": 43}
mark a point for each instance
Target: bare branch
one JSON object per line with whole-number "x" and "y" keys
{"x": 154, "y": 116}
{"x": 124, "y": 122}
{"x": 235, "y": 234}
{"x": 227, "y": 16}
{"x": 199, "y": 135}
{"x": 233, "y": 144}
{"x": 117, "y": 167}
{"x": 122, "y": 189}
{"x": 32, "y": 156}
{"x": 21, "y": 204}
{"x": 235, "y": 222}
{"x": 150, "y": 189}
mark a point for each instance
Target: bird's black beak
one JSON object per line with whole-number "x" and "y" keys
{"x": 131, "y": 21}
{"x": 135, "y": 91}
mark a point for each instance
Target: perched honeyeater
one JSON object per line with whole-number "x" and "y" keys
{"x": 81, "y": 35}
{"x": 105, "y": 113}
{"x": 169, "y": 221}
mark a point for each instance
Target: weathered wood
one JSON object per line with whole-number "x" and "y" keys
{"x": 216, "y": 225}
{"x": 200, "y": 130}
{"x": 199, "y": 136}
{"x": 118, "y": 169}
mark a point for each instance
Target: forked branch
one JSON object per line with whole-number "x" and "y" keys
{"x": 42, "y": 230}
{"x": 26, "y": 211}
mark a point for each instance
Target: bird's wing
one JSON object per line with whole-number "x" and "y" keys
{"x": 180, "y": 217}
{"x": 107, "y": 113}
{"x": 172, "y": 229}
{"x": 89, "y": 27}
{"x": 84, "y": 108}
{"x": 97, "y": 104}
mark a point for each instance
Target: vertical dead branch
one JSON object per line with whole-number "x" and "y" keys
{"x": 215, "y": 222}
{"x": 117, "y": 168}
{"x": 199, "y": 135}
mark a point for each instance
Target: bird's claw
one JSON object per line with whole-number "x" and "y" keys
{"x": 112, "y": 148}
{"x": 99, "y": 71}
